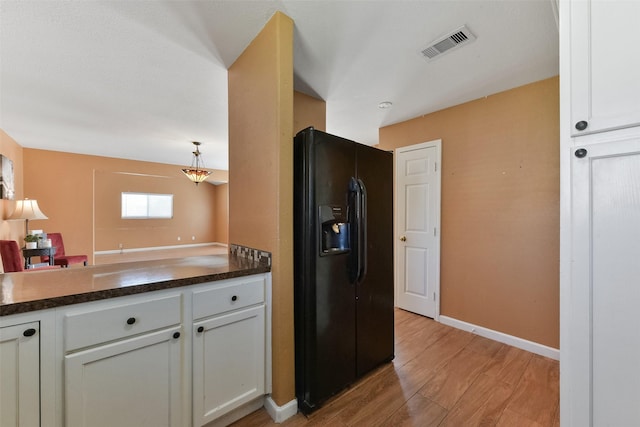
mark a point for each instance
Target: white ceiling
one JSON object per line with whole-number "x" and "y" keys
{"x": 141, "y": 79}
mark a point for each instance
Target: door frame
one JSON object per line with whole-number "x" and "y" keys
{"x": 437, "y": 143}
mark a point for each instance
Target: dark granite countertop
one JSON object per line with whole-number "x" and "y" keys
{"x": 37, "y": 290}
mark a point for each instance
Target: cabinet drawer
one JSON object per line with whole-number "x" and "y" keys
{"x": 102, "y": 323}
{"x": 226, "y": 297}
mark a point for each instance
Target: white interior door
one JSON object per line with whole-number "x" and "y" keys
{"x": 418, "y": 228}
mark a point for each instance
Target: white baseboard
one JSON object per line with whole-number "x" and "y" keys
{"x": 280, "y": 413}
{"x": 159, "y": 248}
{"x": 533, "y": 347}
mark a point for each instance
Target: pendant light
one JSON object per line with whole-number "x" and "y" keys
{"x": 196, "y": 172}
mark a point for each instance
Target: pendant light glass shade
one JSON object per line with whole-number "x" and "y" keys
{"x": 196, "y": 172}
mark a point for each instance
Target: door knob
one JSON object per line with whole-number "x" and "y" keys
{"x": 403, "y": 239}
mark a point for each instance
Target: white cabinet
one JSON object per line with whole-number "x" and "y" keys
{"x": 600, "y": 214}
{"x": 180, "y": 357}
{"x": 605, "y": 284}
{"x": 134, "y": 382}
{"x": 228, "y": 348}
{"x": 604, "y": 85}
{"x": 123, "y": 363}
{"x": 27, "y": 370}
{"x": 228, "y": 363}
{"x": 20, "y": 375}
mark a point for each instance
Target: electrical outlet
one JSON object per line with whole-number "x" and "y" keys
{"x": 193, "y": 237}
{"x": 120, "y": 245}
{"x": 178, "y": 238}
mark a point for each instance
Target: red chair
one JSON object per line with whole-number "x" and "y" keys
{"x": 60, "y": 258}
{"x": 12, "y": 261}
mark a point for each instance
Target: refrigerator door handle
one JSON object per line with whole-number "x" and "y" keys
{"x": 354, "y": 219}
{"x": 362, "y": 230}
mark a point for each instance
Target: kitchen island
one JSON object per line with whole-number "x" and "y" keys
{"x": 38, "y": 290}
{"x": 173, "y": 342}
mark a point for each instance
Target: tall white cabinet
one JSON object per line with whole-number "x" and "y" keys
{"x": 600, "y": 213}
{"x": 602, "y": 38}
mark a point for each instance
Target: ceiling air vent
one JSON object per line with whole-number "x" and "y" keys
{"x": 446, "y": 43}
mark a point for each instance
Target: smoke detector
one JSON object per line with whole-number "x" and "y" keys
{"x": 447, "y": 43}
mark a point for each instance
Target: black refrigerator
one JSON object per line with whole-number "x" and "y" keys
{"x": 343, "y": 263}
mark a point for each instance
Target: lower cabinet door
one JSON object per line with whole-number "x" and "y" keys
{"x": 20, "y": 375}
{"x": 228, "y": 363}
{"x": 134, "y": 382}
{"x": 603, "y": 346}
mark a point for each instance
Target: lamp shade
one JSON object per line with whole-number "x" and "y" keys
{"x": 27, "y": 209}
{"x": 196, "y": 172}
{"x": 196, "y": 175}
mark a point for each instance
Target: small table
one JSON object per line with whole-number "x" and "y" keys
{"x": 28, "y": 253}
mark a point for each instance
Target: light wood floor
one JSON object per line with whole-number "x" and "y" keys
{"x": 442, "y": 376}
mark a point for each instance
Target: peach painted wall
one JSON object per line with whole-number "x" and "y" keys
{"x": 261, "y": 174}
{"x": 500, "y": 208}
{"x": 188, "y": 225}
{"x": 308, "y": 111}
{"x": 14, "y": 229}
{"x": 222, "y": 213}
{"x": 70, "y": 188}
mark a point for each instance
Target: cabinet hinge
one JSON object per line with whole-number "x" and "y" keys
{"x": 434, "y": 232}
{"x": 435, "y": 166}
{"x": 434, "y": 296}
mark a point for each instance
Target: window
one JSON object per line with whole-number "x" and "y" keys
{"x": 147, "y": 205}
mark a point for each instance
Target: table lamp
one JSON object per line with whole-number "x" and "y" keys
{"x": 27, "y": 209}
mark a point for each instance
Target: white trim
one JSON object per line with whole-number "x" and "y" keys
{"x": 268, "y": 357}
{"x": 418, "y": 146}
{"x": 567, "y": 375}
{"x": 533, "y": 347}
{"x": 158, "y": 248}
{"x": 280, "y": 413}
